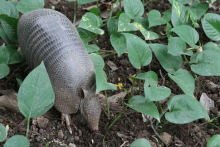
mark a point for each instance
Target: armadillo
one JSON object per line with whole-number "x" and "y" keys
{"x": 49, "y": 36}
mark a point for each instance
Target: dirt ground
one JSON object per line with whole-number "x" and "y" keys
{"x": 130, "y": 126}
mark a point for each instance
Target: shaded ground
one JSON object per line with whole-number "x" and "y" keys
{"x": 130, "y": 126}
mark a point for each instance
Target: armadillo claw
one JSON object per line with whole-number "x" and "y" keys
{"x": 67, "y": 118}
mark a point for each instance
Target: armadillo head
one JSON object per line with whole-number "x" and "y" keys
{"x": 90, "y": 108}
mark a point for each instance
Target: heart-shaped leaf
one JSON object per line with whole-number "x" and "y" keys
{"x": 185, "y": 109}
{"x": 91, "y": 22}
{"x": 17, "y": 140}
{"x": 112, "y": 26}
{"x": 214, "y": 141}
{"x": 185, "y": 80}
{"x": 9, "y": 9}
{"x": 170, "y": 63}
{"x": 25, "y": 6}
{"x": 176, "y": 46}
{"x": 133, "y": 8}
{"x": 188, "y": 34}
{"x": 211, "y": 46}
{"x": 119, "y": 43}
{"x": 179, "y": 14}
{"x": 124, "y": 23}
{"x": 139, "y": 52}
{"x": 208, "y": 63}
{"x": 148, "y": 108}
{"x": 101, "y": 77}
{"x": 210, "y": 24}
{"x": 143, "y": 25}
{"x": 141, "y": 142}
{"x": 155, "y": 18}
{"x": 40, "y": 96}
{"x": 3, "y": 131}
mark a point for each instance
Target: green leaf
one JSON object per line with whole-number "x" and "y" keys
{"x": 4, "y": 55}
{"x": 118, "y": 14}
{"x": 170, "y": 63}
{"x": 101, "y": 77}
{"x": 9, "y": 9}
{"x": 36, "y": 96}
{"x": 91, "y": 23}
{"x": 201, "y": 9}
{"x": 208, "y": 63}
{"x": 9, "y": 25}
{"x": 155, "y": 19}
{"x": 119, "y": 43}
{"x": 185, "y": 80}
{"x": 185, "y": 109}
{"x": 112, "y": 26}
{"x": 124, "y": 23}
{"x": 19, "y": 81}
{"x": 154, "y": 93}
{"x": 25, "y": 6}
{"x": 3, "y": 131}
{"x": 17, "y": 140}
{"x": 211, "y": 46}
{"x": 143, "y": 25}
{"x": 138, "y": 103}
{"x": 91, "y": 48}
{"x": 214, "y": 141}
{"x": 139, "y": 52}
{"x": 4, "y": 70}
{"x": 81, "y": 2}
{"x": 168, "y": 28}
{"x": 176, "y": 46}
{"x": 180, "y": 1}
{"x": 210, "y": 24}
{"x": 141, "y": 142}
{"x": 133, "y": 8}
{"x": 4, "y": 36}
{"x": 180, "y": 15}
{"x": 86, "y": 35}
{"x": 188, "y": 34}
{"x": 95, "y": 11}
{"x": 15, "y": 56}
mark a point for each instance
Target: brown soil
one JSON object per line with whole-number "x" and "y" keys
{"x": 130, "y": 126}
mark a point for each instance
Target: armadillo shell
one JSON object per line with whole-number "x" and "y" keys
{"x": 47, "y": 35}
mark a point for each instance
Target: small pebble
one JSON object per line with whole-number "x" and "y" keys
{"x": 76, "y": 138}
{"x": 60, "y": 134}
{"x": 72, "y": 145}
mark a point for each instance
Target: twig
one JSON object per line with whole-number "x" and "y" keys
{"x": 123, "y": 143}
{"x": 162, "y": 77}
{"x": 151, "y": 124}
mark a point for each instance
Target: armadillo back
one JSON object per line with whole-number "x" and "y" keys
{"x": 47, "y": 35}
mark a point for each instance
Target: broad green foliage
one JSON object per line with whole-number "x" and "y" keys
{"x": 139, "y": 52}
{"x": 81, "y": 2}
{"x": 101, "y": 78}
{"x": 18, "y": 141}
{"x": 170, "y": 63}
{"x": 168, "y": 28}
{"x": 210, "y": 24}
{"x": 4, "y": 70}
{"x": 151, "y": 90}
{"x": 91, "y": 22}
{"x": 112, "y": 26}
{"x": 4, "y": 36}
{"x": 133, "y": 8}
{"x": 119, "y": 43}
{"x": 25, "y": 6}
{"x": 155, "y": 18}
{"x": 3, "y": 133}
{"x": 9, "y": 9}
{"x": 95, "y": 11}
{"x": 141, "y": 142}
{"x": 214, "y": 141}
{"x": 180, "y": 15}
{"x": 36, "y": 96}
{"x": 185, "y": 109}
{"x": 139, "y": 104}
{"x": 185, "y": 80}
{"x": 124, "y": 23}
{"x": 180, "y": 1}
{"x": 188, "y": 34}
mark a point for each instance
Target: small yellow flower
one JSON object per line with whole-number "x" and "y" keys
{"x": 119, "y": 85}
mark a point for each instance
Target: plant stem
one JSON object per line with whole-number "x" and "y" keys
{"x": 106, "y": 97}
{"x": 97, "y": 3}
{"x": 74, "y": 9}
{"x": 123, "y": 109}
{"x": 28, "y": 124}
{"x": 139, "y": 83}
{"x": 211, "y": 124}
{"x": 159, "y": 31}
{"x": 120, "y": 5}
{"x": 164, "y": 123}
{"x": 148, "y": 2}
{"x": 186, "y": 59}
{"x": 109, "y": 55}
{"x": 161, "y": 109}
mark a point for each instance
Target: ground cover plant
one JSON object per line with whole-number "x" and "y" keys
{"x": 183, "y": 46}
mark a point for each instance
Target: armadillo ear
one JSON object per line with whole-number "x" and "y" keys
{"x": 93, "y": 89}
{"x": 83, "y": 93}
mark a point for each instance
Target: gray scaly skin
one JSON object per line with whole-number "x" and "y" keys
{"x": 47, "y": 35}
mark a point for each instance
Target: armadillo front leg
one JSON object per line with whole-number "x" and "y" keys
{"x": 67, "y": 118}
